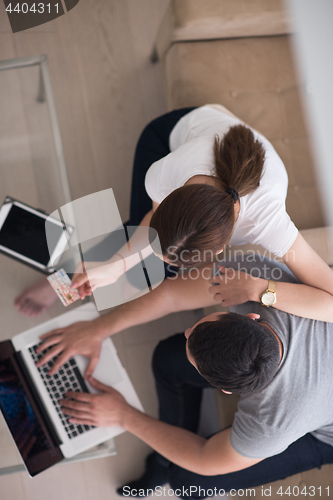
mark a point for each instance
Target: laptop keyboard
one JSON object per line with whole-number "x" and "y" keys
{"x": 67, "y": 378}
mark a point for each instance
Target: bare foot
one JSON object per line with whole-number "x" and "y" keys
{"x": 36, "y": 299}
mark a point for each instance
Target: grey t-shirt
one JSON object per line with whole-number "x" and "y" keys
{"x": 299, "y": 399}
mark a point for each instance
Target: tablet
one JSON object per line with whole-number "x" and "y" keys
{"x": 23, "y": 237}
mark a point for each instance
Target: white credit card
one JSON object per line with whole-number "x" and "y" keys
{"x": 61, "y": 284}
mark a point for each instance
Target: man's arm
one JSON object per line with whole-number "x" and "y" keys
{"x": 207, "y": 457}
{"x": 180, "y": 294}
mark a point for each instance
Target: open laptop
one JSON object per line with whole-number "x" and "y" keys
{"x": 29, "y": 396}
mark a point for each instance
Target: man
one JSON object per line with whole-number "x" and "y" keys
{"x": 279, "y": 363}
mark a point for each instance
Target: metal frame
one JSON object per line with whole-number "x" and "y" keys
{"x": 45, "y": 93}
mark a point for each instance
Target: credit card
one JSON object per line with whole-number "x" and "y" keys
{"x": 61, "y": 282}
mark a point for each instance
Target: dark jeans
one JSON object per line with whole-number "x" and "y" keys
{"x": 179, "y": 387}
{"x": 153, "y": 145}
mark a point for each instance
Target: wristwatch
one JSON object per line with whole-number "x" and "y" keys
{"x": 268, "y": 298}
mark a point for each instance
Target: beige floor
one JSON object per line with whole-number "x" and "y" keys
{"x": 106, "y": 91}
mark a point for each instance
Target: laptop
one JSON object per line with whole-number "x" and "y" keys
{"x": 29, "y": 396}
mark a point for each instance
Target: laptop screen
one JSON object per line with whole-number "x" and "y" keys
{"x": 19, "y": 414}
{"x": 24, "y": 421}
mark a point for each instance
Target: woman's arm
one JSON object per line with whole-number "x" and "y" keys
{"x": 312, "y": 299}
{"x": 104, "y": 273}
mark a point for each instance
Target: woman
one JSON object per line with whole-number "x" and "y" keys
{"x": 210, "y": 180}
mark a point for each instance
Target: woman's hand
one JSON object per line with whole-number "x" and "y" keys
{"x": 233, "y": 287}
{"x": 107, "y": 409}
{"x": 97, "y": 274}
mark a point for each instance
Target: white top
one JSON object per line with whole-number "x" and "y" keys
{"x": 262, "y": 219}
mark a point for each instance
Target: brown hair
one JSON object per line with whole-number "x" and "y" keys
{"x": 197, "y": 218}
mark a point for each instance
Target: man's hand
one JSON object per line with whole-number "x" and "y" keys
{"x": 233, "y": 287}
{"x": 186, "y": 449}
{"x": 83, "y": 337}
{"x": 107, "y": 409}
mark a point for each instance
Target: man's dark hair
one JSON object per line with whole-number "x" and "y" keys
{"x": 235, "y": 353}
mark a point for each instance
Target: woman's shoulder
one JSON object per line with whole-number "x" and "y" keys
{"x": 174, "y": 170}
{"x": 263, "y": 220}
{"x": 202, "y": 121}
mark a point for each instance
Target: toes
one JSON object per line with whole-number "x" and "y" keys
{"x": 31, "y": 309}
{"x": 19, "y": 301}
{"x": 20, "y": 305}
{"x": 25, "y": 307}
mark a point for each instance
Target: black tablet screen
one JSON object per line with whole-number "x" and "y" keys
{"x": 24, "y": 233}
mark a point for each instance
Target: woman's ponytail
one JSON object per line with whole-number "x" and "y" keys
{"x": 239, "y": 161}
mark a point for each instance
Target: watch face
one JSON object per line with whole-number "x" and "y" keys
{"x": 268, "y": 298}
